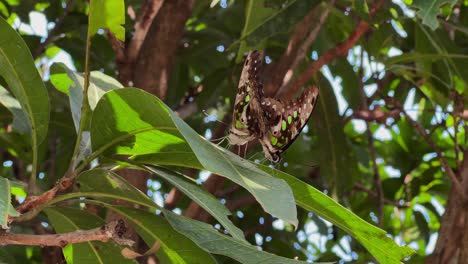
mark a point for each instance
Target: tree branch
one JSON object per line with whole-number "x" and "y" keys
{"x": 284, "y": 64}
{"x": 297, "y": 50}
{"x": 113, "y": 230}
{"x": 339, "y": 50}
{"x": 157, "y": 53}
{"x": 33, "y": 202}
{"x": 126, "y": 57}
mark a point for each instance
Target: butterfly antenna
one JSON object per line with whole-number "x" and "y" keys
{"x": 220, "y": 140}
{"x": 208, "y": 115}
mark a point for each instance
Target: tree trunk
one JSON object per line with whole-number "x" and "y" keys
{"x": 452, "y": 243}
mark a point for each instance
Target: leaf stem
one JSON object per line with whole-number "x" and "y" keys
{"x": 85, "y": 109}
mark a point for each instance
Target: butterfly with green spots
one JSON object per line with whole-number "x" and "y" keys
{"x": 274, "y": 123}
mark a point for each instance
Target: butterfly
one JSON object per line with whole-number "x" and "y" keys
{"x": 274, "y": 123}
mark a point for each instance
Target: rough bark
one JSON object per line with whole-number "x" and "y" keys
{"x": 157, "y": 53}
{"x": 452, "y": 243}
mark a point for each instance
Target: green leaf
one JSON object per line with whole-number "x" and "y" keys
{"x": 175, "y": 248}
{"x": 65, "y": 219}
{"x": 72, "y": 83}
{"x": 350, "y": 81}
{"x": 383, "y": 248}
{"x": 206, "y": 200}
{"x": 107, "y": 14}
{"x": 211, "y": 240}
{"x": 23, "y": 80}
{"x": 338, "y": 164}
{"x": 113, "y": 186}
{"x": 132, "y": 122}
{"x": 429, "y": 9}
{"x": 262, "y": 21}
{"x": 6, "y": 209}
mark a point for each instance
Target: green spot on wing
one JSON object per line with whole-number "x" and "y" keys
{"x": 289, "y": 119}
{"x": 247, "y": 98}
{"x": 295, "y": 114}
{"x": 283, "y": 125}
{"x": 273, "y": 140}
{"x": 239, "y": 124}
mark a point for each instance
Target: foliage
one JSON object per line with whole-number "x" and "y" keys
{"x": 367, "y": 171}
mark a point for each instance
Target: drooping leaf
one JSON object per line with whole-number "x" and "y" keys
{"x": 133, "y": 122}
{"x": 66, "y": 219}
{"x": 112, "y": 186}
{"x": 211, "y": 240}
{"x": 202, "y": 198}
{"x": 338, "y": 165}
{"x": 175, "y": 247}
{"x": 107, "y": 14}
{"x": 18, "y": 70}
{"x": 383, "y": 248}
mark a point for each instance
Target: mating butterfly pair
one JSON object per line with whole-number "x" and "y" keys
{"x": 274, "y": 123}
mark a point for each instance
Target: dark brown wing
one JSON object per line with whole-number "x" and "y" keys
{"x": 285, "y": 120}
{"x": 244, "y": 125}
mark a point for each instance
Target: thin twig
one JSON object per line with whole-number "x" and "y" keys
{"x": 113, "y": 230}
{"x": 456, "y": 183}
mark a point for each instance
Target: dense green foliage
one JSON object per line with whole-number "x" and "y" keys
{"x": 365, "y": 181}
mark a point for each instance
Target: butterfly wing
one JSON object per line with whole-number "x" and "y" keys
{"x": 244, "y": 125}
{"x": 285, "y": 122}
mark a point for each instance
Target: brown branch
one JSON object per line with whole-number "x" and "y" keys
{"x": 126, "y": 57}
{"x": 52, "y": 34}
{"x": 150, "y": 10}
{"x": 451, "y": 243}
{"x": 448, "y": 170}
{"x": 113, "y": 230}
{"x": 299, "y": 52}
{"x": 33, "y": 202}
{"x": 339, "y": 50}
{"x": 280, "y": 69}
{"x": 152, "y": 68}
